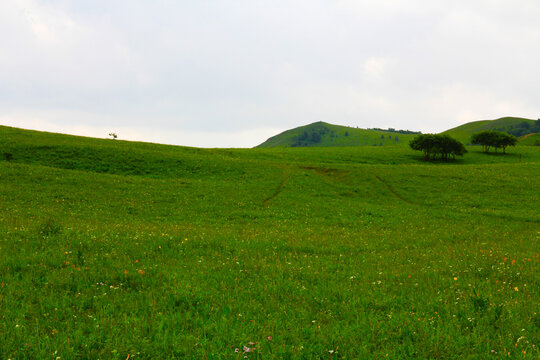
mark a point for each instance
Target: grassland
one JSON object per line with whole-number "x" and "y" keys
{"x": 111, "y": 248}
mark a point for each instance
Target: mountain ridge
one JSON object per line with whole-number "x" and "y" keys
{"x": 321, "y": 134}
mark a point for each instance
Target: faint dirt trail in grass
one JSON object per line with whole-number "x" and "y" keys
{"x": 393, "y": 191}
{"x": 526, "y": 136}
{"x": 277, "y": 191}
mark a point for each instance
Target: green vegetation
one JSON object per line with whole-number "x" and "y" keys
{"x": 530, "y": 139}
{"x": 435, "y": 144}
{"x": 495, "y": 139}
{"x": 323, "y": 134}
{"x": 511, "y": 125}
{"x": 524, "y": 128}
{"x": 112, "y": 248}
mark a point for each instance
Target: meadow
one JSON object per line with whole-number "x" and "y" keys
{"x": 122, "y": 250}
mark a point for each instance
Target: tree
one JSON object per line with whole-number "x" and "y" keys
{"x": 525, "y": 125}
{"x": 113, "y": 135}
{"x": 483, "y": 138}
{"x": 433, "y": 145}
{"x": 504, "y": 140}
{"x": 495, "y": 139}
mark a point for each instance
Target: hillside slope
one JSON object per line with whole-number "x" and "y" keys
{"x": 513, "y": 125}
{"x": 324, "y": 134}
{"x": 530, "y": 139}
{"x": 116, "y": 249}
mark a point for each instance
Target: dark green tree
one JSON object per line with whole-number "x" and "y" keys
{"x": 433, "y": 145}
{"x": 483, "y": 138}
{"x": 424, "y": 143}
{"x": 503, "y": 140}
{"x": 495, "y": 139}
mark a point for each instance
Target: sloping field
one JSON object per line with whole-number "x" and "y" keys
{"x": 530, "y": 139}
{"x": 113, "y": 249}
{"x": 464, "y": 132}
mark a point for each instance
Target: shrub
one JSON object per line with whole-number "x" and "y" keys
{"x": 8, "y": 156}
{"x": 49, "y": 227}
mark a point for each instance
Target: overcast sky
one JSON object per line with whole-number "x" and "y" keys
{"x": 233, "y": 73}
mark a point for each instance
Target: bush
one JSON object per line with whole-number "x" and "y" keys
{"x": 8, "y": 156}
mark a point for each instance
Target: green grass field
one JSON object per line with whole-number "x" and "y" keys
{"x": 115, "y": 250}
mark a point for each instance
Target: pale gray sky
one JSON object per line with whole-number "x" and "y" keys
{"x": 233, "y": 73}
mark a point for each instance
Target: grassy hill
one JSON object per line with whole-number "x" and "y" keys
{"x": 324, "y": 134}
{"x": 530, "y": 139}
{"x": 506, "y": 124}
{"x": 321, "y": 134}
{"x": 115, "y": 249}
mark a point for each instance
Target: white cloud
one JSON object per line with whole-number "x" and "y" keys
{"x": 76, "y": 123}
{"x": 221, "y": 71}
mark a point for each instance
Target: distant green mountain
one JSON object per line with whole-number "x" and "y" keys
{"x": 324, "y": 134}
{"x": 512, "y": 125}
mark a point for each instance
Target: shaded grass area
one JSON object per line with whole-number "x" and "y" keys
{"x": 291, "y": 254}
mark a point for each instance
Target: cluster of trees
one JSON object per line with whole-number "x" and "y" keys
{"x": 396, "y": 131}
{"x": 434, "y": 145}
{"x": 495, "y": 139}
{"x": 523, "y": 128}
{"x": 310, "y": 138}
